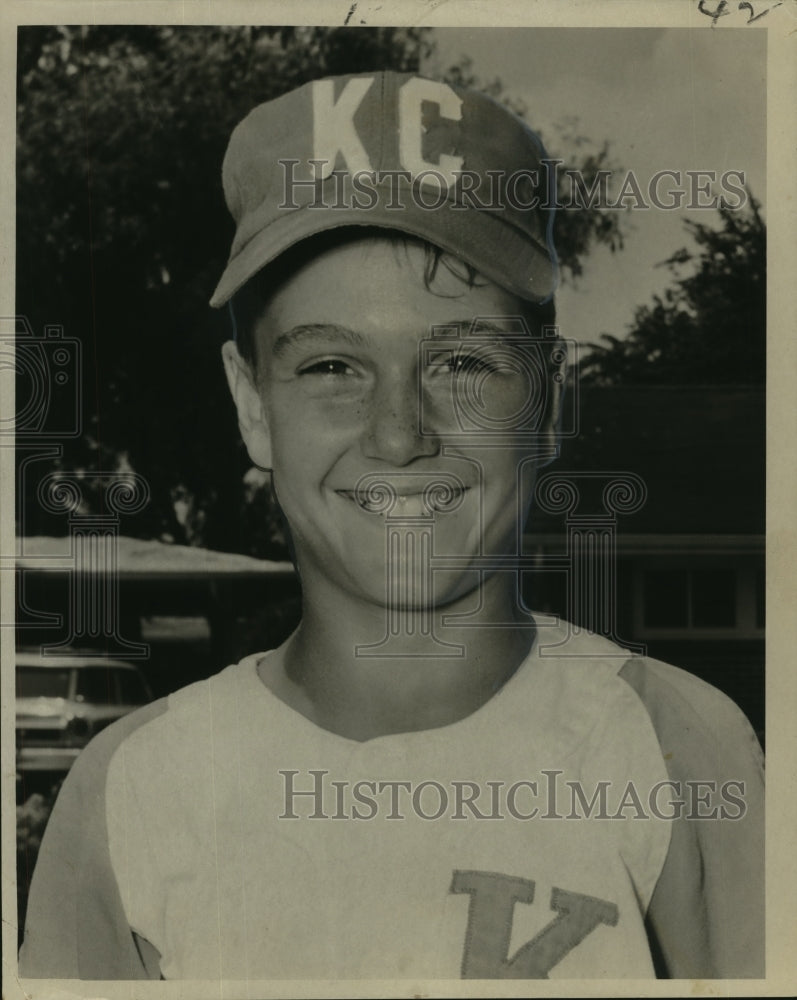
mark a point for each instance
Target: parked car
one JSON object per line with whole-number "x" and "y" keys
{"x": 63, "y": 701}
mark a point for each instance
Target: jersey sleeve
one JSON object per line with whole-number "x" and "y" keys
{"x": 706, "y": 916}
{"x": 76, "y": 926}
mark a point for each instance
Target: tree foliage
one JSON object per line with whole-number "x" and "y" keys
{"x": 709, "y": 326}
{"x": 122, "y": 233}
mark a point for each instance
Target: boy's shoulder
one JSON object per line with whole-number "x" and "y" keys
{"x": 168, "y": 723}
{"x": 697, "y": 726}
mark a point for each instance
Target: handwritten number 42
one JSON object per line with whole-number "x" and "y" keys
{"x": 722, "y": 9}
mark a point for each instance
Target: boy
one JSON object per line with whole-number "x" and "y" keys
{"x": 406, "y": 788}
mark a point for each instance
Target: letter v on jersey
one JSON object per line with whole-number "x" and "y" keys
{"x": 492, "y": 903}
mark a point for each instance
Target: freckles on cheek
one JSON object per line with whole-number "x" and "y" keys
{"x": 336, "y": 416}
{"x": 310, "y": 431}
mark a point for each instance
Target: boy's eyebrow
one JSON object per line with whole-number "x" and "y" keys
{"x": 329, "y": 332}
{"x": 318, "y": 332}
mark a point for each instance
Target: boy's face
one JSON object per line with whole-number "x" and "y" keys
{"x": 346, "y": 388}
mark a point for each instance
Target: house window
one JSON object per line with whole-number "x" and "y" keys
{"x": 712, "y": 598}
{"x": 667, "y": 599}
{"x": 686, "y": 599}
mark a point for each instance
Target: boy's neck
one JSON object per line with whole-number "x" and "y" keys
{"x": 321, "y": 673}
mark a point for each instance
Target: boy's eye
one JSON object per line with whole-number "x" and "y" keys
{"x": 461, "y": 364}
{"x": 327, "y": 366}
{"x": 457, "y": 363}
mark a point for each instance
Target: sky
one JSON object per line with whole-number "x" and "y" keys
{"x": 674, "y": 99}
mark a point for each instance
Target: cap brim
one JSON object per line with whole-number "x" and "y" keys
{"x": 476, "y": 236}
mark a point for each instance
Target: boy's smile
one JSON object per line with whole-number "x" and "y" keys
{"x": 420, "y": 504}
{"x": 345, "y": 369}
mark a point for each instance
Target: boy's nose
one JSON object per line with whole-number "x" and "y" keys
{"x": 393, "y": 430}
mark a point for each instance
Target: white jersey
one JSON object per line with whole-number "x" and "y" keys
{"x": 528, "y": 840}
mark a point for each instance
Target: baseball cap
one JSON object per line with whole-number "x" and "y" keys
{"x": 398, "y": 151}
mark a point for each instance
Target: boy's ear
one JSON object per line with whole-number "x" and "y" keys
{"x": 557, "y": 381}
{"x": 251, "y": 415}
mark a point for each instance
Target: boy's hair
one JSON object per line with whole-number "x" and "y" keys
{"x": 248, "y": 303}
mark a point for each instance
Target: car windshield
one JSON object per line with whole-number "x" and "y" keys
{"x": 97, "y": 685}
{"x": 42, "y": 682}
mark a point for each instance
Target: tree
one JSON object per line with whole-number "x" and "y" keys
{"x": 122, "y": 233}
{"x": 709, "y": 326}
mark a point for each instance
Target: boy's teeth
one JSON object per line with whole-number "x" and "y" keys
{"x": 424, "y": 503}
{"x": 412, "y": 504}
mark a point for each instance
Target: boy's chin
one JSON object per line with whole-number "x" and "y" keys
{"x": 410, "y": 581}
{"x": 415, "y": 593}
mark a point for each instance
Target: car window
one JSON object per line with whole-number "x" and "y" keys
{"x": 131, "y": 688}
{"x": 42, "y": 682}
{"x": 97, "y": 685}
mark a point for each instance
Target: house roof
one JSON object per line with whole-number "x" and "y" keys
{"x": 149, "y": 559}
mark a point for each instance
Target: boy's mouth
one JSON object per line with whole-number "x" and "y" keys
{"x": 416, "y": 503}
